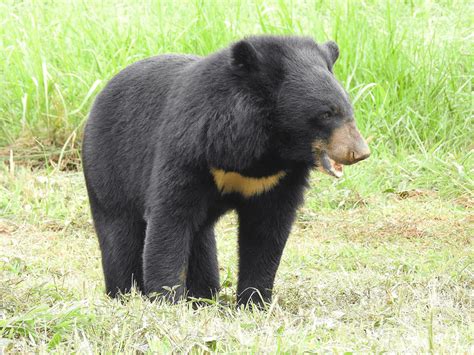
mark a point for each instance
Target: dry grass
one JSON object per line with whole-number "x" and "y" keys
{"x": 388, "y": 274}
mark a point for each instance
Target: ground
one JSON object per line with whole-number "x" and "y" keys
{"x": 386, "y": 272}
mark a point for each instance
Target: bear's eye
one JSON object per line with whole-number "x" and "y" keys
{"x": 322, "y": 116}
{"x": 325, "y": 116}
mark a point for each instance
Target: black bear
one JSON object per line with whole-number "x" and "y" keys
{"x": 175, "y": 141}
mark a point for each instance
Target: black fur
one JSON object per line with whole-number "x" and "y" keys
{"x": 161, "y": 124}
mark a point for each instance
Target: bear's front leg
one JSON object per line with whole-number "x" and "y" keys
{"x": 203, "y": 269}
{"x": 171, "y": 226}
{"x": 165, "y": 258}
{"x": 264, "y": 225}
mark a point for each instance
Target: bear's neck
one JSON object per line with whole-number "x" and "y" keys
{"x": 233, "y": 182}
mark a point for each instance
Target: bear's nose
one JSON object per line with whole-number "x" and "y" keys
{"x": 360, "y": 152}
{"x": 358, "y": 156}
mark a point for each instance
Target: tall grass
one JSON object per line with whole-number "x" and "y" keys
{"x": 407, "y": 66}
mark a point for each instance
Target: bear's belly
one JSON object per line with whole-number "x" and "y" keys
{"x": 228, "y": 182}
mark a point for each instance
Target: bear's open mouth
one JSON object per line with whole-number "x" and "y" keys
{"x": 329, "y": 166}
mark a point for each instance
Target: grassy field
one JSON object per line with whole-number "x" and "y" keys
{"x": 382, "y": 273}
{"x": 382, "y": 260}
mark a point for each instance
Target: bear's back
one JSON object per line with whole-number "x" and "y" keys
{"x": 138, "y": 91}
{"x": 118, "y": 133}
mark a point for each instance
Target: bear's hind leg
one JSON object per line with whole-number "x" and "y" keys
{"x": 202, "y": 279}
{"x": 121, "y": 242}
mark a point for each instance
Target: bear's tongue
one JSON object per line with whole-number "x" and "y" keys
{"x": 329, "y": 166}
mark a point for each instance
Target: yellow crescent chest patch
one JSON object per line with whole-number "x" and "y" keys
{"x": 228, "y": 182}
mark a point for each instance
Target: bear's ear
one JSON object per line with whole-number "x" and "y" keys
{"x": 244, "y": 56}
{"x": 332, "y": 51}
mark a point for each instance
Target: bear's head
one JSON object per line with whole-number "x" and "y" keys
{"x": 310, "y": 114}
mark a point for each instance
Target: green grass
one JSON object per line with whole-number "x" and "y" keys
{"x": 407, "y": 67}
{"x": 392, "y": 272}
{"x": 381, "y": 260}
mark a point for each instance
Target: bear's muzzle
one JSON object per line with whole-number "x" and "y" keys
{"x": 345, "y": 146}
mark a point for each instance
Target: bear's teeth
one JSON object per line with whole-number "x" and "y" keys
{"x": 330, "y": 166}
